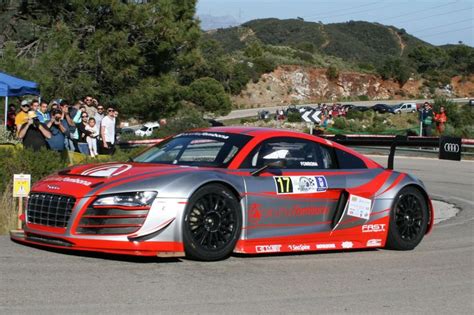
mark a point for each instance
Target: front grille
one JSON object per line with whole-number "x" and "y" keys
{"x": 49, "y": 209}
{"x": 112, "y": 221}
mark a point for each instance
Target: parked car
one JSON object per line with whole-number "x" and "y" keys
{"x": 405, "y": 108}
{"x": 291, "y": 109}
{"x": 126, "y": 131}
{"x": 382, "y": 108}
{"x": 471, "y": 102}
{"x": 263, "y": 114}
{"x": 360, "y": 108}
{"x": 147, "y": 129}
{"x": 215, "y": 123}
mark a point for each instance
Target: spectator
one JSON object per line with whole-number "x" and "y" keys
{"x": 107, "y": 131}
{"x": 74, "y": 111}
{"x": 34, "y": 105}
{"x": 90, "y": 104}
{"x": 71, "y": 133}
{"x": 426, "y": 118}
{"x": 11, "y": 119}
{"x": 54, "y": 105}
{"x": 99, "y": 115}
{"x": 92, "y": 137}
{"x": 42, "y": 113}
{"x": 58, "y": 127}
{"x": 22, "y": 117}
{"x": 440, "y": 119}
{"x": 34, "y": 133}
{"x": 83, "y": 133}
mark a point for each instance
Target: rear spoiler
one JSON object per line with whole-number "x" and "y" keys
{"x": 450, "y": 148}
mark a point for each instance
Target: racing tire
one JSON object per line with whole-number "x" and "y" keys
{"x": 408, "y": 220}
{"x": 212, "y": 223}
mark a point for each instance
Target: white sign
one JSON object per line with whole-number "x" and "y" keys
{"x": 359, "y": 207}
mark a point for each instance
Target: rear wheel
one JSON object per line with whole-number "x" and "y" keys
{"x": 212, "y": 223}
{"x": 408, "y": 220}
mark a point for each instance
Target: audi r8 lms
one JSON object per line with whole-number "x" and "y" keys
{"x": 208, "y": 193}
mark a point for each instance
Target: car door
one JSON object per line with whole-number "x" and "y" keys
{"x": 299, "y": 199}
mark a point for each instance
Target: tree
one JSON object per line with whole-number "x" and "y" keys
{"x": 209, "y": 96}
{"x": 332, "y": 73}
{"x": 109, "y": 48}
{"x": 395, "y": 68}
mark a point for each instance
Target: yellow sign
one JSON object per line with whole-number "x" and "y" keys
{"x": 21, "y": 185}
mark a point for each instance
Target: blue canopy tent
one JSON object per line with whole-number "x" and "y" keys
{"x": 13, "y": 86}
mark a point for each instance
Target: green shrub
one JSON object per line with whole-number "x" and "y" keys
{"x": 186, "y": 119}
{"x": 294, "y": 117}
{"x": 340, "y": 123}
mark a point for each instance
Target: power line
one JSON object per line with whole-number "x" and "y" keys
{"x": 430, "y": 28}
{"x": 412, "y": 13}
{"x": 430, "y": 16}
{"x": 450, "y": 31}
{"x": 334, "y": 11}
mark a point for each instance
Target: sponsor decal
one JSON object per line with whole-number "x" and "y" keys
{"x": 257, "y": 212}
{"x": 107, "y": 170}
{"x": 300, "y": 184}
{"x": 325, "y": 246}
{"x": 202, "y": 134}
{"x": 268, "y": 248}
{"x": 70, "y": 180}
{"x": 308, "y": 163}
{"x": 347, "y": 244}
{"x": 451, "y": 147}
{"x": 359, "y": 207}
{"x": 374, "y": 242}
{"x": 299, "y": 247}
{"x": 369, "y": 228}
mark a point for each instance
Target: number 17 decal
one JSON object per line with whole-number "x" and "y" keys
{"x": 300, "y": 184}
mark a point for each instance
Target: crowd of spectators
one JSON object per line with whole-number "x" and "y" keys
{"x": 85, "y": 126}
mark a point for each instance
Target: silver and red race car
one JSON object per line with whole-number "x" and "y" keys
{"x": 208, "y": 193}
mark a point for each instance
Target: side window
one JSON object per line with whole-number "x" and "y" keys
{"x": 347, "y": 160}
{"x": 298, "y": 154}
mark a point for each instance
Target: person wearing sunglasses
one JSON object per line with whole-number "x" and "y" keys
{"x": 107, "y": 131}
{"x": 22, "y": 116}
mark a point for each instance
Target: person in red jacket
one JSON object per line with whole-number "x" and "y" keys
{"x": 440, "y": 119}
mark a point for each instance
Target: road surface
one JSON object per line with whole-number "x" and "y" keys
{"x": 436, "y": 277}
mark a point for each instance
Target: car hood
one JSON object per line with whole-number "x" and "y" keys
{"x": 91, "y": 179}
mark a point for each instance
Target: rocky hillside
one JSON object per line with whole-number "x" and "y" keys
{"x": 296, "y": 84}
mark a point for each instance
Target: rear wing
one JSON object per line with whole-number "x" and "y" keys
{"x": 450, "y": 148}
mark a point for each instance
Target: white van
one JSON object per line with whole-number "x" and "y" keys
{"x": 405, "y": 108}
{"x": 147, "y": 129}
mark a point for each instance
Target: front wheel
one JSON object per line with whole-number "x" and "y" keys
{"x": 212, "y": 223}
{"x": 408, "y": 220}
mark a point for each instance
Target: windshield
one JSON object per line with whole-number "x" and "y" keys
{"x": 144, "y": 128}
{"x": 196, "y": 149}
{"x": 398, "y": 105}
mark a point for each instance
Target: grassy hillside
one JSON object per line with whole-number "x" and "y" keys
{"x": 354, "y": 41}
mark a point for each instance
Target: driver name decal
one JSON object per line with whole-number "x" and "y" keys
{"x": 300, "y": 184}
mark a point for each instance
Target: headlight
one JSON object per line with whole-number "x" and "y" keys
{"x": 134, "y": 199}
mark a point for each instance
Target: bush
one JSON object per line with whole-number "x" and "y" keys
{"x": 340, "y": 123}
{"x": 294, "y": 117}
{"x": 209, "y": 96}
{"x": 332, "y": 73}
{"x": 186, "y": 119}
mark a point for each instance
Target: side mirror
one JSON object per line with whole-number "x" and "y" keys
{"x": 281, "y": 163}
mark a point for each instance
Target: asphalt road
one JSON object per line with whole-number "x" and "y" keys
{"x": 436, "y": 277}
{"x": 252, "y": 112}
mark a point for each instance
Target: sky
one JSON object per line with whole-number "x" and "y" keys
{"x": 436, "y": 22}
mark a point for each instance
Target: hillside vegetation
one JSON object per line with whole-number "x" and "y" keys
{"x": 354, "y": 45}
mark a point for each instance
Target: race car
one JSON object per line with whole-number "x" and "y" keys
{"x": 208, "y": 193}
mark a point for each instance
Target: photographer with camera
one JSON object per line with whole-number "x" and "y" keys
{"x": 33, "y": 133}
{"x": 58, "y": 127}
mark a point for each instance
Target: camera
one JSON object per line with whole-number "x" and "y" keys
{"x": 36, "y": 122}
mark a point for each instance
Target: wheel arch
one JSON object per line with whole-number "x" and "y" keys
{"x": 428, "y": 203}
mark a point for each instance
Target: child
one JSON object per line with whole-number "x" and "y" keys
{"x": 92, "y": 138}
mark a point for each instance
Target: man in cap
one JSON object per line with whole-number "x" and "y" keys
{"x": 22, "y": 116}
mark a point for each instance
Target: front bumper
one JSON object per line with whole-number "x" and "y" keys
{"x": 134, "y": 248}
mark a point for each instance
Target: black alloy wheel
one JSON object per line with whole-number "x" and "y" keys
{"x": 408, "y": 220}
{"x": 212, "y": 223}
